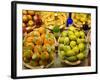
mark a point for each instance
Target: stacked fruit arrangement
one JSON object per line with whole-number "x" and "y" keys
{"x": 46, "y": 37}
{"x": 52, "y": 18}
{"x": 81, "y": 19}
{"x": 72, "y": 46}
{"x": 39, "y": 48}
{"x": 31, "y": 19}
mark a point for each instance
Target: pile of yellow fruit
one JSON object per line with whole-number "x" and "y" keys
{"x": 79, "y": 19}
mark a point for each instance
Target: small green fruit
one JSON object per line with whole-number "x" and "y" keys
{"x": 81, "y": 46}
{"x": 72, "y": 37}
{"x": 72, "y": 44}
{"x": 62, "y": 54}
{"x": 70, "y": 33}
{"x": 64, "y": 33}
{"x": 61, "y": 46}
{"x": 82, "y": 34}
{"x": 70, "y": 53}
{"x": 61, "y": 40}
{"x": 77, "y": 34}
{"x": 80, "y": 56}
{"x": 66, "y": 40}
{"x": 72, "y": 58}
{"x": 72, "y": 28}
{"x": 66, "y": 48}
{"x": 79, "y": 41}
{"x": 76, "y": 49}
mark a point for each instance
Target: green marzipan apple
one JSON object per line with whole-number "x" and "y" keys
{"x": 62, "y": 54}
{"x": 61, "y": 40}
{"x": 81, "y": 46}
{"x": 82, "y": 34}
{"x": 61, "y": 46}
{"x": 81, "y": 56}
{"x": 70, "y": 33}
{"x": 80, "y": 41}
{"x": 66, "y": 40}
{"x": 72, "y": 28}
{"x": 76, "y": 49}
{"x": 70, "y": 53}
{"x": 77, "y": 34}
{"x": 66, "y": 48}
{"x": 64, "y": 33}
{"x": 73, "y": 44}
{"x": 72, "y": 37}
{"x": 72, "y": 58}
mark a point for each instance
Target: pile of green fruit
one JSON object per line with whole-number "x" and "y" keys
{"x": 72, "y": 45}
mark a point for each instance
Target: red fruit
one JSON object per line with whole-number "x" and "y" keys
{"x": 38, "y": 22}
{"x": 37, "y": 19}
